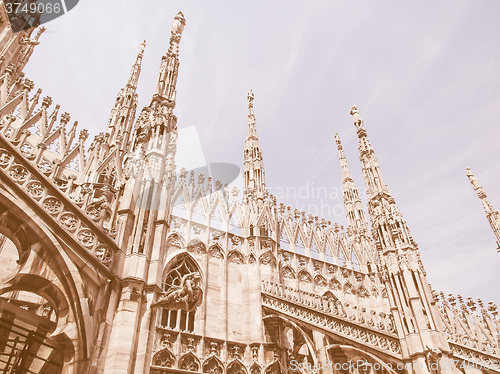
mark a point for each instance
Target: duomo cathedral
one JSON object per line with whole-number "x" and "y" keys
{"x": 113, "y": 259}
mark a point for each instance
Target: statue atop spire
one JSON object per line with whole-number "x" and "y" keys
{"x": 475, "y": 183}
{"x": 358, "y": 122}
{"x": 250, "y": 98}
{"x": 178, "y": 25}
{"x": 491, "y": 213}
{"x": 252, "y": 131}
{"x": 142, "y": 47}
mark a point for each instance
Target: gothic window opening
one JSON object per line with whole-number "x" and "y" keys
{"x": 178, "y": 320}
{"x": 182, "y": 295}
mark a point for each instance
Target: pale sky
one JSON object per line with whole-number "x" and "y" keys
{"x": 424, "y": 76}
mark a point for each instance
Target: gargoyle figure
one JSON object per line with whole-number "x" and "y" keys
{"x": 187, "y": 296}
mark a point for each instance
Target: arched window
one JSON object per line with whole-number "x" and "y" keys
{"x": 178, "y": 319}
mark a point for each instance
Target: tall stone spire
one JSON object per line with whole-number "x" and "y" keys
{"x": 157, "y": 119}
{"x": 123, "y": 113}
{"x": 169, "y": 69}
{"x": 150, "y": 170}
{"x": 389, "y": 228}
{"x": 253, "y": 166}
{"x": 355, "y": 213}
{"x": 412, "y": 303}
{"x": 491, "y": 213}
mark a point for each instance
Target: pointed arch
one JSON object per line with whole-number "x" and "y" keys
{"x": 213, "y": 365}
{"x": 189, "y": 362}
{"x": 179, "y": 265}
{"x": 196, "y": 245}
{"x": 304, "y": 276}
{"x": 267, "y": 258}
{"x": 349, "y": 288}
{"x": 275, "y": 367}
{"x": 215, "y": 250}
{"x": 176, "y": 240}
{"x": 288, "y": 272}
{"x": 236, "y": 367}
{"x": 362, "y": 292}
{"x": 320, "y": 280}
{"x": 334, "y": 284}
{"x": 236, "y": 256}
{"x": 255, "y": 369}
{"x": 164, "y": 358}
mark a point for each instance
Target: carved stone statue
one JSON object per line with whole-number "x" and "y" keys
{"x": 358, "y": 122}
{"x": 250, "y": 98}
{"x": 100, "y": 209}
{"x": 178, "y": 25}
{"x": 187, "y": 296}
{"x": 473, "y": 180}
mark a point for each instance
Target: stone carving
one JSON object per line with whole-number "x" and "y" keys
{"x": 212, "y": 366}
{"x": 358, "y": 122}
{"x": 216, "y": 251}
{"x": 53, "y": 205}
{"x": 187, "y": 296}
{"x": 45, "y": 166}
{"x": 5, "y": 158}
{"x": 255, "y": 369}
{"x": 178, "y": 25}
{"x": 104, "y": 254}
{"x": 305, "y": 277}
{"x": 189, "y": 362}
{"x": 69, "y": 221}
{"x": 100, "y": 209}
{"x": 288, "y": 273}
{"x": 236, "y": 257}
{"x": 35, "y": 189}
{"x": 164, "y": 359}
{"x": 86, "y": 237}
{"x": 18, "y": 173}
{"x": 236, "y": 367}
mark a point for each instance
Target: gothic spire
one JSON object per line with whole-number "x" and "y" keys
{"x": 136, "y": 68}
{"x": 123, "y": 113}
{"x": 491, "y": 213}
{"x": 253, "y": 167}
{"x": 165, "y": 90}
{"x": 411, "y": 299}
{"x": 389, "y": 228}
{"x": 355, "y": 213}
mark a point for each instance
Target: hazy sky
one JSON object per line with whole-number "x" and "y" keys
{"x": 424, "y": 76}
